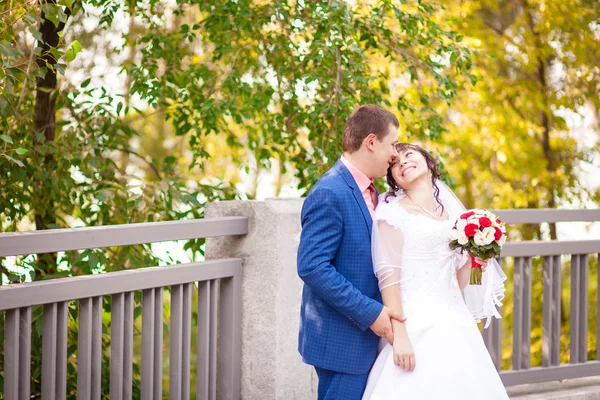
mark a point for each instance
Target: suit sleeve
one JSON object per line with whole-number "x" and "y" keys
{"x": 322, "y": 228}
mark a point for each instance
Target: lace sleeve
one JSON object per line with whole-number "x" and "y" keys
{"x": 387, "y": 246}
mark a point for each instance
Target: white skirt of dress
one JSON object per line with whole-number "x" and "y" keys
{"x": 452, "y": 362}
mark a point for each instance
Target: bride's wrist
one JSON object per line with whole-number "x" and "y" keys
{"x": 399, "y": 330}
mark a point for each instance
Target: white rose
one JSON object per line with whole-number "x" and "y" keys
{"x": 479, "y": 239}
{"x": 502, "y": 240}
{"x": 489, "y": 234}
{"x": 453, "y": 234}
{"x": 460, "y": 225}
{"x": 473, "y": 220}
{"x": 462, "y": 238}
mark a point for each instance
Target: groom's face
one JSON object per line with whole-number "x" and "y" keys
{"x": 384, "y": 152}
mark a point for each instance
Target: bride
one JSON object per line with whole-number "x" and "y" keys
{"x": 438, "y": 353}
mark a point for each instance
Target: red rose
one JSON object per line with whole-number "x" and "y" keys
{"x": 467, "y": 215}
{"x": 471, "y": 229}
{"x": 497, "y": 234}
{"x": 498, "y": 221}
{"x": 485, "y": 222}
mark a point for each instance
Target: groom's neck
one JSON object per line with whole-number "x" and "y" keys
{"x": 360, "y": 161}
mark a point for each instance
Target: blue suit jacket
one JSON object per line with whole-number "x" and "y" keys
{"x": 340, "y": 298}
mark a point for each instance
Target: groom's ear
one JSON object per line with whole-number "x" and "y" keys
{"x": 369, "y": 141}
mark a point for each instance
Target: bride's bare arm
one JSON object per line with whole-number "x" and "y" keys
{"x": 390, "y": 275}
{"x": 464, "y": 274}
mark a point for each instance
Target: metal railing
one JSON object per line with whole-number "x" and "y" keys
{"x": 218, "y": 287}
{"x": 219, "y": 310}
{"x": 551, "y": 253}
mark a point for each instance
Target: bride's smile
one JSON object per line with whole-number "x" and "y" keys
{"x": 409, "y": 168}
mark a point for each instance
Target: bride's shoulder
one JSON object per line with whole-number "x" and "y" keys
{"x": 390, "y": 209}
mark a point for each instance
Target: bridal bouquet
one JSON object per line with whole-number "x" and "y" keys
{"x": 481, "y": 234}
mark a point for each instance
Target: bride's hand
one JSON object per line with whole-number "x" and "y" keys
{"x": 404, "y": 355}
{"x": 483, "y": 263}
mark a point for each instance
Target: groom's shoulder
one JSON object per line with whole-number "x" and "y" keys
{"x": 329, "y": 186}
{"x": 332, "y": 179}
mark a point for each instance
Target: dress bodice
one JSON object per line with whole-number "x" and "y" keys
{"x": 427, "y": 266}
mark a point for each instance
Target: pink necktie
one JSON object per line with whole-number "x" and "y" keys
{"x": 373, "y": 193}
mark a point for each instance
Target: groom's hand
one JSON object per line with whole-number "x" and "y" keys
{"x": 383, "y": 324}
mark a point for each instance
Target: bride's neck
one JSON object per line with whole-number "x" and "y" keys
{"x": 422, "y": 193}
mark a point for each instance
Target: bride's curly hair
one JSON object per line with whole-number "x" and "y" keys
{"x": 432, "y": 164}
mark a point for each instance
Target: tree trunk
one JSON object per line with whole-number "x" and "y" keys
{"x": 44, "y": 133}
{"x": 545, "y": 114}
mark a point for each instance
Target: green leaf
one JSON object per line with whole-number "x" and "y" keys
{"x": 86, "y": 83}
{"x": 19, "y": 163}
{"x": 9, "y": 50}
{"x": 50, "y": 12}
{"x": 55, "y": 53}
{"x": 21, "y": 151}
{"x": 61, "y": 68}
{"x": 35, "y": 33}
{"x": 62, "y": 17}
{"x": 93, "y": 261}
{"x": 31, "y": 18}
{"x": 41, "y": 72}
{"x": 67, "y": 3}
{"x": 6, "y": 138}
{"x": 73, "y": 51}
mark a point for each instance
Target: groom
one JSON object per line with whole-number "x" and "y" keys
{"x": 341, "y": 316}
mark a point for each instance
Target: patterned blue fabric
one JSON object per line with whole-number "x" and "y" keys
{"x": 340, "y": 298}
{"x": 340, "y": 386}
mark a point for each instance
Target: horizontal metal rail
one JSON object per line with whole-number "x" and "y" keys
{"x": 553, "y": 373}
{"x": 550, "y": 215}
{"x": 80, "y": 287}
{"x": 54, "y": 240}
{"x": 550, "y": 248}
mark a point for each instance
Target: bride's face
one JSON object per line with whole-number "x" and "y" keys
{"x": 409, "y": 168}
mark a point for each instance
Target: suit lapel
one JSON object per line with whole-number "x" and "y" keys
{"x": 356, "y": 193}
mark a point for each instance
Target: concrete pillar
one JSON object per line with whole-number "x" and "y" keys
{"x": 271, "y": 294}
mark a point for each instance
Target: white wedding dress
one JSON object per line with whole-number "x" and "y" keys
{"x": 452, "y": 361}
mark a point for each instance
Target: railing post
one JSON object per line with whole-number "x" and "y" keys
{"x": 230, "y": 314}
{"x": 522, "y": 313}
{"x": 89, "y": 349}
{"x": 152, "y": 344}
{"x": 598, "y": 307}
{"x": 551, "y": 311}
{"x": 180, "y": 329}
{"x": 54, "y": 351}
{"x": 17, "y": 353}
{"x": 579, "y": 308}
{"x": 121, "y": 346}
{"x": 206, "y": 346}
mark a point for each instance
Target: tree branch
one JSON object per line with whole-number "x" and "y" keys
{"x": 150, "y": 164}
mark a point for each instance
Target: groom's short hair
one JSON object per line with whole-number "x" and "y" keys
{"x": 366, "y": 119}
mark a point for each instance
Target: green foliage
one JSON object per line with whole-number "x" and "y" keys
{"x": 509, "y": 143}
{"x": 287, "y": 74}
